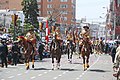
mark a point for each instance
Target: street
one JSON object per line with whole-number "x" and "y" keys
{"x": 100, "y": 69}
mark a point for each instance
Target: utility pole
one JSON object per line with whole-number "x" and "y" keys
{"x": 114, "y": 20}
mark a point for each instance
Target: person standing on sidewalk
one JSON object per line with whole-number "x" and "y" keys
{"x": 40, "y": 50}
{"x": 15, "y": 51}
{"x": 3, "y": 53}
{"x": 113, "y": 52}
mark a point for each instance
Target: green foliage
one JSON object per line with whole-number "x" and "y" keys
{"x": 17, "y": 29}
{"x": 30, "y": 10}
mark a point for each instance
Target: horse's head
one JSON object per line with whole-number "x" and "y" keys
{"x": 21, "y": 39}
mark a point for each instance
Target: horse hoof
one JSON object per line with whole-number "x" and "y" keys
{"x": 27, "y": 68}
{"x": 88, "y": 66}
{"x": 85, "y": 69}
{"x": 52, "y": 68}
{"x": 32, "y": 66}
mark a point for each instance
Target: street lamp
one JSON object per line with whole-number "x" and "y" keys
{"x": 114, "y": 20}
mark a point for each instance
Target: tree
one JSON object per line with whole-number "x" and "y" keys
{"x": 18, "y": 28}
{"x": 30, "y": 10}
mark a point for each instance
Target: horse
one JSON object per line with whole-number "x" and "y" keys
{"x": 29, "y": 51}
{"x": 70, "y": 50}
{"x": 85, "y": 49}
{"x": 55, "y": 52}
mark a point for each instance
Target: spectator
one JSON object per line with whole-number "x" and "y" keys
{"x": 3, "y": 53}
{"x": 15, "y": 51}
{"x": 40, "y": 50}
{"x": 113, "y": 52}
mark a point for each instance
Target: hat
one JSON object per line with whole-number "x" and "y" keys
{"x": 86, "y": 27}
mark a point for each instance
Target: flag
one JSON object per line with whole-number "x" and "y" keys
{"x": 47, "y": 32}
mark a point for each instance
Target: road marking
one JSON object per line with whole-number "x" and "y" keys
{"x": 88, "y": 68}
{"x": 55, "y": 77}
{"x": 60, "y": 75}
{"x": 40, "y": 75}
{"x": 2, "y": 79}
{"x": 33, "y": 77}
{"x": 19, "y": 74}
{"x": 11, "y": 76}
{"x": 45, "y": 72}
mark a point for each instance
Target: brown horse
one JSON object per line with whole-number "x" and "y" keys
{"x": 29, "y": 51}
{"x": 55, "y": 51}
{"x": 85, "y": 52}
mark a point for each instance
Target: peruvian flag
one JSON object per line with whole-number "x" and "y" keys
{"x": 47, "y": 32}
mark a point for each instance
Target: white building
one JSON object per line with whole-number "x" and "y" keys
{"x": 98, "y": 30}
{"x": 6, "y": 17}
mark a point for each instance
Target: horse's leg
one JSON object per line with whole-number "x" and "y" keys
{"x": 27, "y": 64}
{"x": 32, "y": 60}
{"x": 58, "y": 61}
{"x": 68, "y": 52}
{"x": 71, "y": 53}
{"x": 83, "y": 56}
{"x": 53, "y": 62}
{"x": 87, "y": 61}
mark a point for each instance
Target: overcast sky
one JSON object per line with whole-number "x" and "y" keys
{"x": 91, "y": 9}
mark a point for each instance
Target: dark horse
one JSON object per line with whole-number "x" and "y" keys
{"x": 55, "y": 51}
{"x": 28, "y": 51}
{"x": 70, "y": 50}
{"x": 85, "y": 52}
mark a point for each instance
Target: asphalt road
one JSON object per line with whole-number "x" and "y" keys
{"x": 100, "y": 69}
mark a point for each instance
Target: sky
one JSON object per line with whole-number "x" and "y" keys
{"x": 92, "y": 9}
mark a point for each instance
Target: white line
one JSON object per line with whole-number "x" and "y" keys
{"x": 60, "y": 75}
{"x": 32, "y": 77}
{"x": 88, "y": 68}
{"x": 11, "y": 76}
{"x": 19, "y": 74}
{"x": 55, "y": 77}
{"x": 40, "y": 75}
{"x": 45, "y": 72}
{"x": 2, "y": 79}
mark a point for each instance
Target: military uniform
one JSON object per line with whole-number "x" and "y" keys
{"x": 15, "y": 52}
{"x": 3, "y": 53}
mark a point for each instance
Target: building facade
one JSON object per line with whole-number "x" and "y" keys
{"x": 11, "y": 4}
{"x": 61, "y": 11}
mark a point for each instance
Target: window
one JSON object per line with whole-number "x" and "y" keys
{"x": 63, "y": 0}
{"x": 63, "y": 6}
{"x": 49, "y": 6}
{"x": 64, "y": 18}
{"x": 49, "y": 0}
{"x": 49, "y": 12}
{"x": 38, "y": 0}
{"x": 39, "y": 6}
{"x": 64, "y": 12}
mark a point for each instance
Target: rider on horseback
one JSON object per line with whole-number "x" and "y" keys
{"x": 85, "y": 46}
{"x": 30, "y": 37}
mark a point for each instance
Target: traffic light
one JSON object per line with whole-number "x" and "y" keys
{"x": 40, "y": 26}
